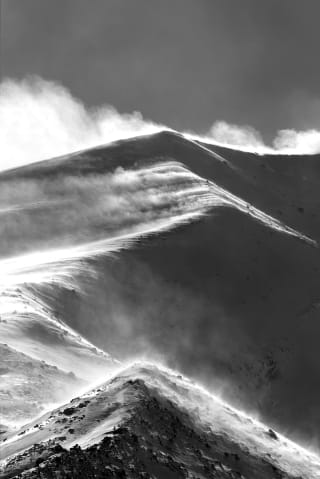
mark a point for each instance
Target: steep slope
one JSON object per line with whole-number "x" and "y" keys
{"x": 226, "y": 301}
{"x": 29, "y": 324}
{"x": 27, "y": 386}
{"x": 285, "y": 186}
{"x": 166, "y": 247}
{"x": 150, "y": 422}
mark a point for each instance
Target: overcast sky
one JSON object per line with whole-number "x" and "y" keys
{"x": 185, "y": 63}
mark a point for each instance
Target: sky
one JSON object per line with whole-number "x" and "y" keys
{"x": 183, "y": 63}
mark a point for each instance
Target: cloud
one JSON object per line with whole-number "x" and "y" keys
{"x": 247, "y": 138}
{"x": 40, "y": 119}
{"x": 236, "y": 135}
{"x": 298, "y": 142}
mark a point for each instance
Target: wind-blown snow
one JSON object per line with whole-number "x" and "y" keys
{"x": 50, "y": 227}
{"x": 40, "y": 119}
{"x": 109, "y": 404}
{"x": 58, "y": 223}
{"x": 225, "y": 419}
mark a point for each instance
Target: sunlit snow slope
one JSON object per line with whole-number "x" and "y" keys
{"x": 27, "y": 385}
{"x": 150, "y": 420}
{"x": 159, "y": 246}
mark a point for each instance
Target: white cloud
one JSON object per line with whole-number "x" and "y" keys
{"x": 247, "y": 138}
{"x": 40, "y": 119}
{"x": 235, "y": 135}
{"x": 298, "y": 142}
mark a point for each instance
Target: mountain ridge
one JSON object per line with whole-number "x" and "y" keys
{"x": 134, "y": 242}
{"x": 151, "y": 420}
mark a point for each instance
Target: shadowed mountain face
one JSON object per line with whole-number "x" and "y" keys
{"x": 203, "y": 257}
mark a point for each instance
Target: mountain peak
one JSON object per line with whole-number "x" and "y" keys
{"x": 147, "y": 418}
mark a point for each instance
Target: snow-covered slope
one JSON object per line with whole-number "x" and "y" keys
{"x": 30, "y": 325}
{"x": 150, "y": 420}
{"x": 164, "y": 247}
{"x": 28, "y": 386}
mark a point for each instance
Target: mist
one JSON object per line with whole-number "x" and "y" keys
{"x": 247, "y": 138}
{"x": 40, "y": 119}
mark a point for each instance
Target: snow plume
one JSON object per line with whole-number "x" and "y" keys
{"x": 53, "y": 225}
{"x": 247, "y": 138}
{"x": 236, "y": 136}
{"x": 298, "y": 142}
{"x": 40, "y": 119}
{"x": 71, "y": 211}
